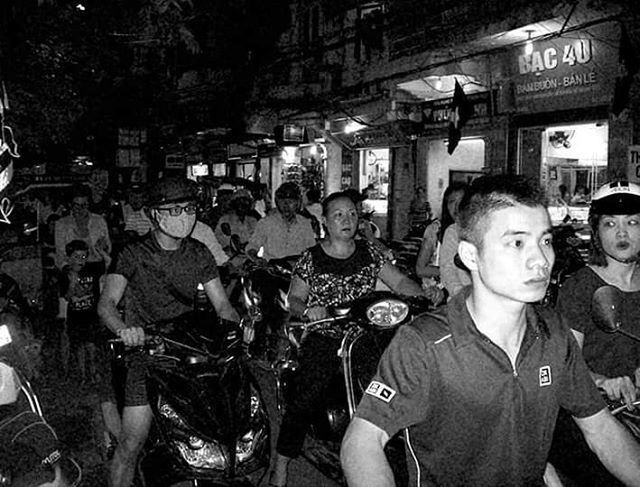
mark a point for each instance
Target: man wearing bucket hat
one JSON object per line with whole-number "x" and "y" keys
{"x": 157, "y": 276}
{"x": 613, "y": 359}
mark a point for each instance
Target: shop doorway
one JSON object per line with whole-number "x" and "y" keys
{"x": 570, "y": 162}
{"x": 374, "y": 176}
{"x": 465, "y": 164}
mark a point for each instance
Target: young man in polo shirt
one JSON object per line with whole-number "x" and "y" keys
{"x": 477, "y": 389}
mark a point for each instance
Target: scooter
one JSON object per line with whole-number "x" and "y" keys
{"x": 210, "y": 421}
{"x": 606, "y": 308}
{"x": 366, "y": 326}
{"x": 264, "y": 298}
{"x": 30, "y": 453}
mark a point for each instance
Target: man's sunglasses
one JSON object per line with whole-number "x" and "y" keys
{"x": 177, "y": 210}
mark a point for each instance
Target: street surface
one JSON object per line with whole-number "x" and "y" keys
{"x": 71, "y": 408}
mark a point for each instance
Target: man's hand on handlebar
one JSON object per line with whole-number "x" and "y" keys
{"x": 434, "y": 294}
{"x": 619, "y": 389}
{"x": 132, "y": 337}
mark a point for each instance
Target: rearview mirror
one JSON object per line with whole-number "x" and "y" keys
{"x": 606, "y": 311}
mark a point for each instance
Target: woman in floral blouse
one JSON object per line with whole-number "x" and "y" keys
{"x": 337, "y": 270}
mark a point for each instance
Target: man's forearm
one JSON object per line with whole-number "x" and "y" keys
{"x": 109, "y": 316}
{"x": 617, "y": 449}
{"x": 363, "y": 459}
{"x": 229, "y": 313}
{"x": 297, "y": 306}
{"x": 409, "y": 287}
{"x": 622, "y": 458}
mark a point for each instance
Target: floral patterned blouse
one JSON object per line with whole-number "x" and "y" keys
{"x": 334, "y": 281}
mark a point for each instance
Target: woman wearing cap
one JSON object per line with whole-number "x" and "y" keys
{"x": 613, "y": 359}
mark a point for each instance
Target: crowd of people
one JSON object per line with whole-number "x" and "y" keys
{"x": 476, "y": 386}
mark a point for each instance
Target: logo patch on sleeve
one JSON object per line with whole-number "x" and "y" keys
{"x": 381, "y": 391}
{"x": 545, "y": 376}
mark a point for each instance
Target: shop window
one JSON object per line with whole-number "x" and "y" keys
{"x": 374, "y": 177}
{"x": 573, "y": 166}
{"x": 369, "y": 29}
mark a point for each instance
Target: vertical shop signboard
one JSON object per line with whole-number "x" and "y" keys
{"x": 633, "y": 163}
{"x": 568, "y": 71}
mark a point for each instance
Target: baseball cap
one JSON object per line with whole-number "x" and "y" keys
{"x": 616, "y": 198}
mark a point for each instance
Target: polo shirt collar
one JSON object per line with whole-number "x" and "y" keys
{"x": 464, "y": 330}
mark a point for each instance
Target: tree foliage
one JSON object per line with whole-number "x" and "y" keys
{"x": 74, "y": 75}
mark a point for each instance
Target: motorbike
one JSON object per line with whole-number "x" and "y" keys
{"x": 264, "y": 298}
{"x": 606, "y": 307}
{"x": 366, "y": 326}
{"x": 30, "y": 452}
{"x": 210, "y": 420}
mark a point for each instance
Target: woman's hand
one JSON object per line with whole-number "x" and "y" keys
{"x": 619, "y": 389}
{"x": 434, "y": 294}
{"x": 315, "y": 313}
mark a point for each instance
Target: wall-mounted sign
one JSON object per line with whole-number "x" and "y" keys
{"x": 633, "y": 163}
{"x": 290, "y": 134}
{"x": 436, "y": 112}
{"x": 570, "y": 71}
{"x": 174, "y": 161}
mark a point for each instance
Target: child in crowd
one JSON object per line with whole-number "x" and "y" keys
{"x": 81, "y": 288}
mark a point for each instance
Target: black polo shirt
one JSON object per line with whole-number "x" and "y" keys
{"x": 470, "y": 417}
{"x": 161, "y": 284}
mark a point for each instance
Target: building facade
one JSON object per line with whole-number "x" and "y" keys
{"x": 372, "y": 83}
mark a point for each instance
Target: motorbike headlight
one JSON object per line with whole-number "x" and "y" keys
{"x": 387, "y": 313}
{"x": 5, "y": 335}
{"x": 194, "y": 450}
{"x": 211, "y": 455}
{"x": 199, "y": 453}
{"x": 246, "y": 445}
{"x": 203, "y": 455}
{"x": 169, "y": 413}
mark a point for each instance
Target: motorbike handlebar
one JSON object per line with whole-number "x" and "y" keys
{"x": 152, "y": 341}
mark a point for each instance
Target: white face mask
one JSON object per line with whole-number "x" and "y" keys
{"x": 176, "y": 226}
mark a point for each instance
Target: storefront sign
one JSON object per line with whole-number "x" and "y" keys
{"x": 633, "y": 163}
{"x": 174, "y": 161}
{"x": 436, "y": 112}
{"x": 566, "y": 72}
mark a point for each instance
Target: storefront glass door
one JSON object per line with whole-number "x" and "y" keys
{"x": 573, "y": 164}
{"x": 374, "y": 176}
